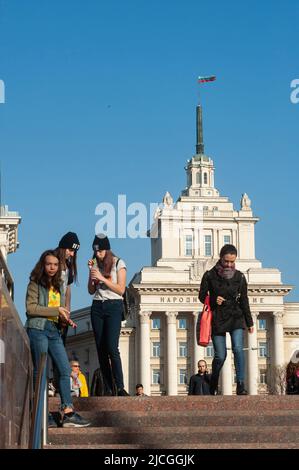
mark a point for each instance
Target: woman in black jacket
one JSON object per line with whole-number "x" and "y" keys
{"x": 292, "y": 378}
{"x": 227, "y": 288}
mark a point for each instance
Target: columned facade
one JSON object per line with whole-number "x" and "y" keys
{"x": 172, "y": 355}
{"x": 197, "y": 350}
{"x": 278, "y": 339}
{"x": 253, "y": 370}
{"x": 145, "y": 351}
{"x": 158, "y": 344}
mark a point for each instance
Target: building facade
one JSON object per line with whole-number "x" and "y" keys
{"x": 158, "y": 344}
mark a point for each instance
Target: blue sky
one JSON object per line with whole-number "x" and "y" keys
{"x": 100, "y": 101}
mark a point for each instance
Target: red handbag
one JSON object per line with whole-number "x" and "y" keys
{"x": 205, "y": 324}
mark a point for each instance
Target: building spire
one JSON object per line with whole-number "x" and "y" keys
{"x": 199, "y": 131}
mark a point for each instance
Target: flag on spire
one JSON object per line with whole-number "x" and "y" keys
{"x": 206, "y": 79}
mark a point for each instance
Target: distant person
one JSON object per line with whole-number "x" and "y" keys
{"x": 227, "y": 288}
{"x": 78, "y": 381}
{"x": 200, "y": 382}
{"x": 140, "y": 391}
{"x": 107, "y": 282}
{"x": 45, "y": 307}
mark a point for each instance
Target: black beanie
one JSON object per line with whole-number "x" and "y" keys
{"x": 70, "y": 241}
{"x": 101, "y": 242}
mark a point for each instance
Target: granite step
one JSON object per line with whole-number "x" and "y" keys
{"x": 234, "y": 445}
{"x": 253, "y": 404}
{"x": 138, "y": 419}
{"x": 163, "y": 437}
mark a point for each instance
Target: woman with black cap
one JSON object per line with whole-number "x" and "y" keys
{"x": 67, "y": 254}
{"x": 227, "y": 288}
{"x": 107, "y": 282}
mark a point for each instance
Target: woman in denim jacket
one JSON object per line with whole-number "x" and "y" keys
{"x": 45, "y": 310}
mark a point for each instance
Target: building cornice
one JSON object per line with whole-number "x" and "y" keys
{"x": 291, "y": 331}
{"x": 190, "y": 290}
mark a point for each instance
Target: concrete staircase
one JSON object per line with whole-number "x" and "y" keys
{"x": 195, "y": 422}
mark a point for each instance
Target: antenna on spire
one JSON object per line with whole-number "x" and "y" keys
{"x": 199, "y": 131}
{"x": 199, "y": 128}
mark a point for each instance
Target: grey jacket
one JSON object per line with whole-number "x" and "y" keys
{"x": 37, "y": 310}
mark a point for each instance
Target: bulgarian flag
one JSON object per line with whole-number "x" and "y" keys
{"x": 206, "y": 79}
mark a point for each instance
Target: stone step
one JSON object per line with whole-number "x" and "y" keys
{"x": 253, "y": 404}
{"x": 163, "y": 437}
{"x": 215, "y": 418}
{"x": 240, "y": 445}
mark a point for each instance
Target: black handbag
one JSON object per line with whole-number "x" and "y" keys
{"x": 127, "y": 309}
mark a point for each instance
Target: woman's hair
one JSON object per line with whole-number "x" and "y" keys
{"x": 228, "y": 250}
{"x": 291, "y": 369}
{"x": 39, "y": 275}
{"x": 70, "y": 263}
{"x": 106, "y": 264}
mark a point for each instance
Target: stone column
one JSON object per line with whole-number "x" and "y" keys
{"x": 253, "y": 359}
{"x": 226, "y": 372}
{"x": 215, "y": 242}
{"x": 172, "y": 354}
{"x": 278, "y": 339}
{"x": 145, "y": 352}
{"x": 198, "y": 351}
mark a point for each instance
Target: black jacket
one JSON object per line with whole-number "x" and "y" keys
{"x": 292, "y": 385}
{"x": 234, "y": 313}
{"x": 199, "y": 384}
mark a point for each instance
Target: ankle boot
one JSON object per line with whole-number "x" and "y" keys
{"x": 240, "y": 389}
{"x": 214, "y": 387}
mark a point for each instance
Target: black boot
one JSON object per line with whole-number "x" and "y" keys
{"x": 240, "y": 389}
{"x": 214, "y": 387}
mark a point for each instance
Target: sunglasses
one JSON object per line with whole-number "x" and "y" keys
{"x": 75, "y": 365}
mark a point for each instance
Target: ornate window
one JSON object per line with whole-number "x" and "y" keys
{"x": 182, "y": 349}
{"x": 183, "y": 377}
{"x": 156, "y": 349}
{"x": 208, "y": 245}
{"x": 156, "y": 379}
{"x": 188, "y": 245}
{"x": 156, "y": 324}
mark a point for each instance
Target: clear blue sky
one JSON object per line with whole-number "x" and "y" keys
{"x": 100, "y": 100}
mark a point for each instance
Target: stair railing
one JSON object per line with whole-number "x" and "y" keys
{"x": 39, "y": 420}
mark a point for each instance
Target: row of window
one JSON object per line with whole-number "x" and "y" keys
{"x": 208, "y": 248}
{"x": 182, "y": 324}
{"x": 183, "y": 349}
{"x": 183, "y": 377}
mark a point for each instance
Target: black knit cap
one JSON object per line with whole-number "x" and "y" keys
{"x": 101, "y": 242}
{"x": 70, "y": 240}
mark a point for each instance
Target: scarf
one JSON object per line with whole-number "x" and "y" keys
{"x": 225, "y": 273}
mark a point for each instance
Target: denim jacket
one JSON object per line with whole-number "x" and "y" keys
{"x": 37, "y": 310}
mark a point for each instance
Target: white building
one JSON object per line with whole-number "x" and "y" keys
{"x": 158, "y": 346}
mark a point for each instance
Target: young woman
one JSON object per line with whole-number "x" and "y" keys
{"x": 227, "y": 288}
{"x": 107, "y": 282}
{"x": 45, "y": 309}
{"x": 67, "y": 254}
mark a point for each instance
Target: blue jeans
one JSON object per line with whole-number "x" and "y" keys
{"x": 106, "y": 323}
{"x": 219, "y": 343}
{"x": 49, "y": 341}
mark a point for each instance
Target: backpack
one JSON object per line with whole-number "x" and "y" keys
{"x": 98, "y": 386}
{"x": 127, "y": 310}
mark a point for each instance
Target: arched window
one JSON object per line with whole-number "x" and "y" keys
{"x": 205, "y": 178}
{"x": 198, "y": 178}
